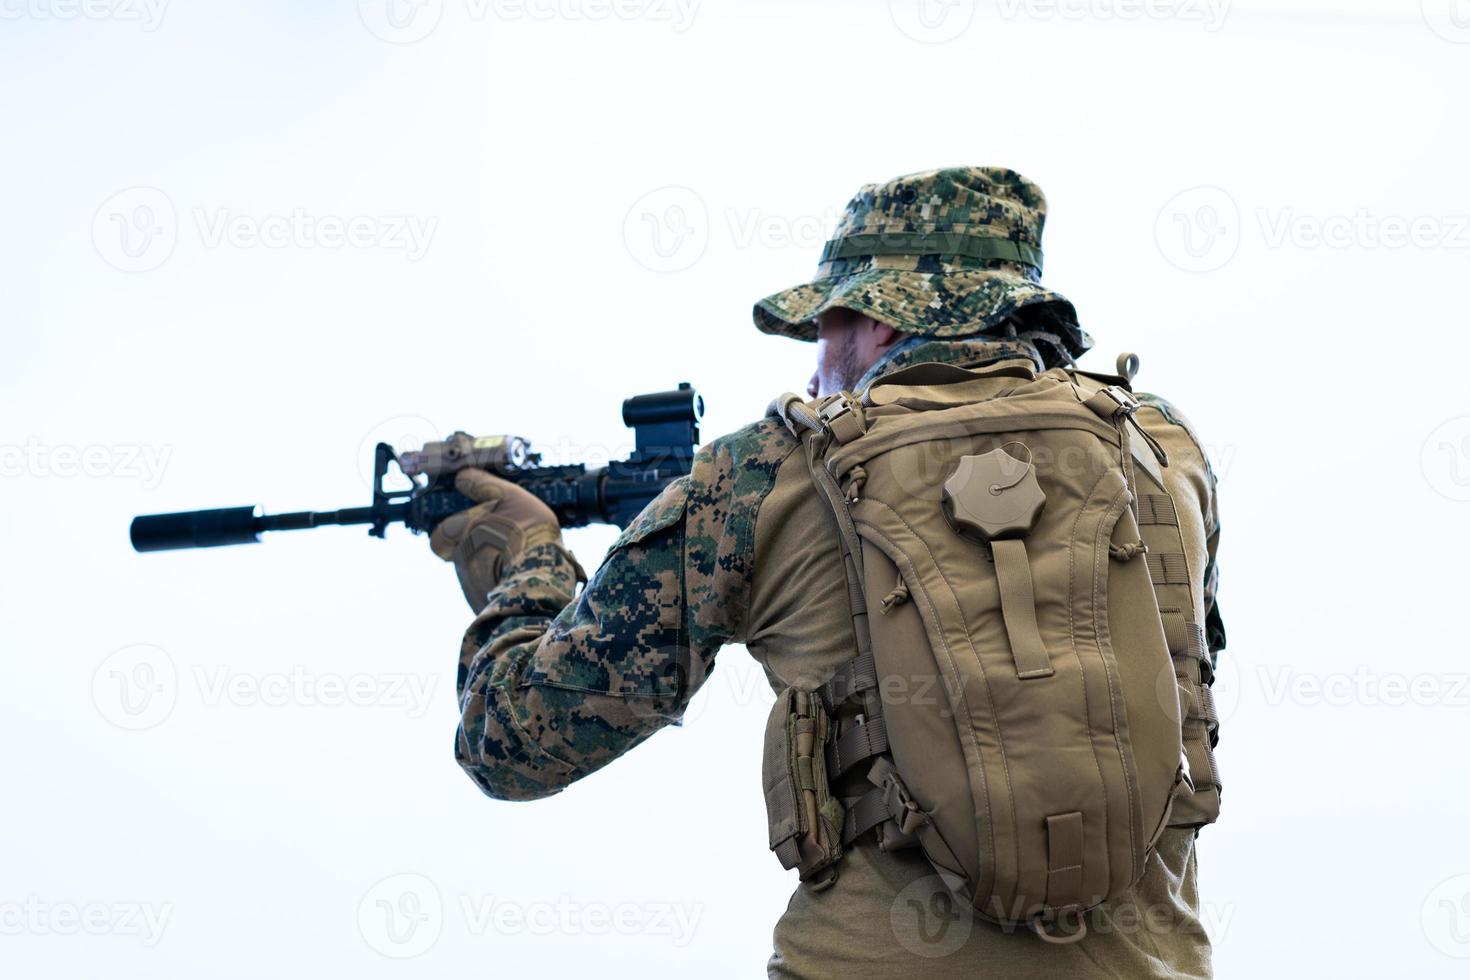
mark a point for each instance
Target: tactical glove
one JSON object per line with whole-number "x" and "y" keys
{"x": 481, "y": 541}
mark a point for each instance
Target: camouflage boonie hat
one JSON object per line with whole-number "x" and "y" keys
{"x": 944, "y": 253}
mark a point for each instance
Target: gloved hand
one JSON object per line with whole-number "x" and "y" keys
{"x": 480, "y": 541}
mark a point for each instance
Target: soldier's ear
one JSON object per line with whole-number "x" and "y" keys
{"x": 885, "y": 335}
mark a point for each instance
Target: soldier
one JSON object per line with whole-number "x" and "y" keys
{"x": 938, "y": 267}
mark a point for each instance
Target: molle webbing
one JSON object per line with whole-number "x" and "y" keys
{"x": 862, "y": 740}
{"x": 1168, "y": 567}
{"x": 1199, "y": 720}
{"x": 1157, "y": 508}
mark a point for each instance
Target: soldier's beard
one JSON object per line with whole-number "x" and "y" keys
{"x": 845, "y": 369}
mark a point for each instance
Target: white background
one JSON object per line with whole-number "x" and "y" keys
{"x": 1230, "y": 193}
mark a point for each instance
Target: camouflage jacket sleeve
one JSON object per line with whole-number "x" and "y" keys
{"x": 554, "y": 685}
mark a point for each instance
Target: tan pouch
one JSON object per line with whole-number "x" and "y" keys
{"x": 804, "y": 820}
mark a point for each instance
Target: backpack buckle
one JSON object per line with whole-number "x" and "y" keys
{"x": 1123, "y": 397}
{"x": 842, "y": 417}
{"x": 903, "y": 812}
{"x": 1112, "y": 402}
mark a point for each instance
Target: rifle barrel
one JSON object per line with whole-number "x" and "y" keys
{"x": 235, "y": 525}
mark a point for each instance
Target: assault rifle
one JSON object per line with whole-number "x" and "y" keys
{"x": 666, "y": 432}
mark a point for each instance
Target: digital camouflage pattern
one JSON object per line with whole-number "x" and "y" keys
{"x": 553, "y": 687}
{"x": 923, "y": 350}
{"x": 943, "y": 253}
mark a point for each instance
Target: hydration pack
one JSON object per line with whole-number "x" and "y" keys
{"x": 1030, "y": 699}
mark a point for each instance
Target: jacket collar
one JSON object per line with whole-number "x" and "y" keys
{"x": 968, "y": 353}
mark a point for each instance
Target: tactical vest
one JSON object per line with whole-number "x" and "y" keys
{"x": 1030, "y": 700}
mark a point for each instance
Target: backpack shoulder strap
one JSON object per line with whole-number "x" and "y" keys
{"x": 839, "y": 418}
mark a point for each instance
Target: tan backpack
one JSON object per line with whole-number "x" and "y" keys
{"x": 1018, "y": 706}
